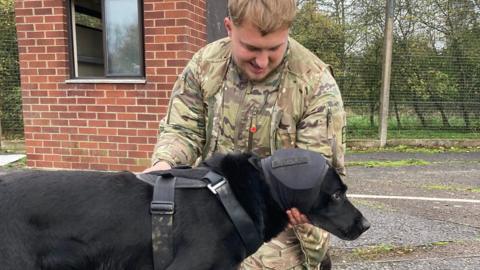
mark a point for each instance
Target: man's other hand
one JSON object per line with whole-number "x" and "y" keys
{"x": 296, "y": 218}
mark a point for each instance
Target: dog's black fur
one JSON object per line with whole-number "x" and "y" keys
{"x": 101, "y": 221}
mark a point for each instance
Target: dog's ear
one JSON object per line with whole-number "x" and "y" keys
{"x": 256, "y": 162}
{"x": 214, "y": 162}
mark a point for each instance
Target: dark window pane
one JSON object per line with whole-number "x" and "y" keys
{"x": 90, "y": 52}
{"x": 123, "y": 37}
{"x": 88, "y": 39}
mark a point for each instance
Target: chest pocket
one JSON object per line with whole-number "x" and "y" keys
{"x": 283, "y": 131}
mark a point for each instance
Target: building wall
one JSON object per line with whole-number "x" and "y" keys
{"x": 99, "y": 126}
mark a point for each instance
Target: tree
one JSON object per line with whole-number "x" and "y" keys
{"x": 455, "y": 23}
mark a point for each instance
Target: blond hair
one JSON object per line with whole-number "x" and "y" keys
{"x": 267, "y": 15}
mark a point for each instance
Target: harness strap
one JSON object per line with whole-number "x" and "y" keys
{"x": 162, "y": 209}
{"x": 219, "y": 186}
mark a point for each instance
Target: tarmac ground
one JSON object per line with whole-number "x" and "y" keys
{"x": 439, "y": 228}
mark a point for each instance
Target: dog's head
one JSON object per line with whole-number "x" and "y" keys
{"x": 304, "y": 179}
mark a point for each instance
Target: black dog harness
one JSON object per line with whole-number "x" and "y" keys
{"x": 162, "y": 209}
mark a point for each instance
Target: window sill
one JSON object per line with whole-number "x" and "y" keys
{"x": 104, "y": 80}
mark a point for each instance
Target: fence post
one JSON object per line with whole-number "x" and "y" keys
{"x": 386, "y": 72}
{"x": 0, "y": 130}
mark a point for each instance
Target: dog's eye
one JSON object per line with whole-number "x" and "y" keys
{"x": 337, "y": 195}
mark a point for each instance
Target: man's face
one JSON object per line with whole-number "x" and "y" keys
{"x": 254, "y": 54}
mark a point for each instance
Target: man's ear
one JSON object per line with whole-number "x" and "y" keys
{"x": 228, "y": 25}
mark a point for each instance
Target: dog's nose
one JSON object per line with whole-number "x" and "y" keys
{"x": 365, "y": 224}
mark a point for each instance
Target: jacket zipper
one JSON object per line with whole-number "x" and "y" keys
{"x": 252, "y": 130}
{"x": 239, "y": 117}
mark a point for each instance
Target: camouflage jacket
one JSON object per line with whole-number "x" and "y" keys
{"x": 213, "y": 110}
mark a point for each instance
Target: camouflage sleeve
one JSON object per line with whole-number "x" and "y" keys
{"x": 322, "y": 128}
{"x": 314, "y": 243}
{"x": 182, "y": 131}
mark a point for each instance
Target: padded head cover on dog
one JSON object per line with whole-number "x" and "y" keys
{"x": 295, "y": 176}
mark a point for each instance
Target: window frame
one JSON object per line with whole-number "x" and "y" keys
{"x": 72, "y": 50}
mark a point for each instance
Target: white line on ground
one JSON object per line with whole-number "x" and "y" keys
{"x": 362, "y": 196}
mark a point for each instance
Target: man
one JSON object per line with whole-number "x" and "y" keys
{"x": 257, "y": 90}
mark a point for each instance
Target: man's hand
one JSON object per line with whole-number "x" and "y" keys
{"x": 296, "y": 218}
{"x": 159, "y": 166}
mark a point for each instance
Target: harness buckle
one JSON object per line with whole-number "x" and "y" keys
{"x": 213, "y": 188}
{"x": 162, "y": 208}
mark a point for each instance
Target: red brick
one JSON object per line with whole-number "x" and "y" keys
{"x": 137, "y": 140}
{"x": 127, "y": 161}
{"x": 98, "y": 138}
{"x": 60, "y": 137}
{"x": 127, "y": 132}
{"x": 108, "y": 160}
{"x": 137, "y": 154}
{"x": 98, "y": 167}
{"x": 117, "y": 153}
{"x": 87, "y": 130}
{"x": 88, "y": 145}
{"x": 78, "y": 138}
{"x": 53, "y": 157}
{"x": 43, "y": 11}
{"x": 62, "y": 165}
{"x": 43, "y": 164}
{"x": 136, "y": 124}
{"x": 117, "y": 124}
{"x": 97, "y": 123}
{"x": 106, "y": 116}
{"x": 80, "y": 166}
{"x": 117, "y": 139}
{"x": 71, "y": 159}
{"x": 41, "y": 150}
{"x": 23, "y": 12}
{"x": 108, "y": 146}
{"x": 107, "y": 131}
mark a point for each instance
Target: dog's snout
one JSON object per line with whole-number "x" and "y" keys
{"x": 365, "y": 224}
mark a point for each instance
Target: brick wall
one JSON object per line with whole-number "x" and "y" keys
{"x": 99, "y": 126}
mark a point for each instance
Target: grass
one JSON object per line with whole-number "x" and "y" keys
{"x": 440, "y": 243}
{"x": 396, "y": 163}
{"x": 359, "y": 127}
{"x": 370, "y": 204}
{"x": 379, "y": 250}
{"x": 389, "y": 250}
{"x": 411, "y": 134}
{"x": 452, "y": 188}
{"x": 414, "y": 149}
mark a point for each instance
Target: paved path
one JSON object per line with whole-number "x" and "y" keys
{"x": 415, "y": 234}
{"x": 9, "y": 158}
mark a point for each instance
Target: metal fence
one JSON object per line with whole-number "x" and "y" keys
{"x": 435, "y": 83}
{"x": 11, "y": 124}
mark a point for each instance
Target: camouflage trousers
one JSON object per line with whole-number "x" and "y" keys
{"x": 294, "y": 249}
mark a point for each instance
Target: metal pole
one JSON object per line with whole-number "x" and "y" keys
{"x": 386, "y": 72}
{"x": 0, "y": 130}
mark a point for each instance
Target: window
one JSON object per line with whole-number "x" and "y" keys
{"x": 106, "y": 38}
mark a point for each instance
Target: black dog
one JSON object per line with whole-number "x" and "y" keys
{"x": 99, "y": 220}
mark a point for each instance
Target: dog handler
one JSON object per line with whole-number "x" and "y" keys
{"x": 258, "y": 90}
